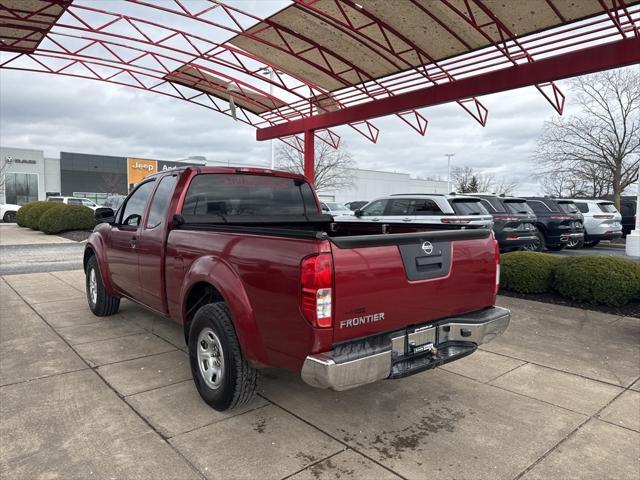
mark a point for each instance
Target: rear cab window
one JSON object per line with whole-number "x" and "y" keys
{"x": 212, "y": 196}
{"x": 470, "y": 206}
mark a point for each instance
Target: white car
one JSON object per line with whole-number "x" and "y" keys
{"x": 602, "y": 221}
{"x": 336, "y": 209}
{"x": 8, "y": 212}
{"x": 425, "y": 209}
{"x": 85, "y": 202}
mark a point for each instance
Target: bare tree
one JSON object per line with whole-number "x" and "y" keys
{"x": 596, "y": 151}
{"x": 332, "y": 166}
{"x": 466, "y": 180}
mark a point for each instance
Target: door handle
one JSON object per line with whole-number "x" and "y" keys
{"x": 406, "y": 219}
{"x": 375, "y": 219}
{"x": 133, "y": 242}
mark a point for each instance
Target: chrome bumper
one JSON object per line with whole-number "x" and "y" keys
{"x": 333, "y": 370}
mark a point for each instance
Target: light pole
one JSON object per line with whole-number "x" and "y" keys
{"x": 633, "y": 239}
{"x": 269, "y": 71}
{"x": 449, "y": 155}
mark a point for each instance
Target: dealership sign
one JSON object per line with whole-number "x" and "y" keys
{"x": 138, "y": 168}
{"x": 11, "y": 160}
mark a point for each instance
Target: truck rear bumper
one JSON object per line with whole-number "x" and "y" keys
{"x": 404, "y": 352}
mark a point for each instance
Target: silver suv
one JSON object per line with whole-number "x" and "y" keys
{"x": 602, "y": 221}
{"x": 425, "y": 209}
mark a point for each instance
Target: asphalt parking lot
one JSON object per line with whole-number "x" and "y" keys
{"x": 558, "y": 396}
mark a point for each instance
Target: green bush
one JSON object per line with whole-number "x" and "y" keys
{"x": 64, "y": 217}
{"x": 22, "y": 213}
{"x": 32, "y": 217}
{"x": 527, "y": 272}
{"x": 597, "y": 279}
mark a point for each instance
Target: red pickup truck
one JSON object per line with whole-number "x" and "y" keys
{"x": 245, "y": 260}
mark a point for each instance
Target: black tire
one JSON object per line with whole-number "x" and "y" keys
{"x": 591, "y": 244}
{"x": 238, "y": 380}
{"x": 556, "y": 248}
{"x": 9, "y": 217}
{"x": 104, "y": 304}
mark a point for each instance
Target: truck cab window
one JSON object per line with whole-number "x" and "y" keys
{"x": 136, "y": 203}
{"x": 160, "y": 202}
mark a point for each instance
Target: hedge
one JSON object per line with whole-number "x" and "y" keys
{"x": 32, "y": 217}
{"x": 64, "y": 217}
{"x": 597, "y": 279}
{"x": 22, "y": 213}
{"x": 527, "y": 272}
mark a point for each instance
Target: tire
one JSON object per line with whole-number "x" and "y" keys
{"x": 222, "y": 376}
{"x": 575, "y": 245}
{"x": 101, "y": 303}
{"x": 9, "y": 217}
{"x": 556, "y": 248}
{"x": 537, "y": 246}
{"x": 591, "y": 244}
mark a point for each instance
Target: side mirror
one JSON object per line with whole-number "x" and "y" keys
{"x": 358, "y": 213}
{"x": 105, "y": 215}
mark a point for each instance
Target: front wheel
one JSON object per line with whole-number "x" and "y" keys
{"x": 575, "y": 244}
{"x": 222, "y": 376}
{"x": 101, "y": 303}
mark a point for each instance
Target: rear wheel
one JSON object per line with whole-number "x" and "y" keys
{"x": 9, "y": 217}
{"x": 575, "y": 244}
{"x": 591, "y": 244}
{"x": 537, "y": 245}
{"x": 101, "y": 303}
{"x": 222, "y": 376}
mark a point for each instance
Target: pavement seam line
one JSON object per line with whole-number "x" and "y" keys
{"x": 83, "y": 290}
{"x": 42, "y": 378}
{"x": 186, "y": 460}
{"x": 570, "y": 434}
{"x": 111, "y": 338}
{"x": 558, "y": 369}
{"x": 314, "y": 464}
{"x": 333, "y": 437}
{"x": 488, "y": 382}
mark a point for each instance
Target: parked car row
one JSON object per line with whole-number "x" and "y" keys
{"x": 530, "y": 223}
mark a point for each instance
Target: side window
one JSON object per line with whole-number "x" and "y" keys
{"x": 374, "y": 208}
{"x": 538, "y": 206}
{"x": 74, "y": 201}
{"x": 400, "y": 206}
{"x": 136, "y": 203}
{"x": 427, "y": 207}
{"x": 160, "y": 202}
{"x": 583, "y": 207}
{"x": 487, "y": 205}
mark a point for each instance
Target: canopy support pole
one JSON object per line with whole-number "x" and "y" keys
{"x": 309, "y": 160}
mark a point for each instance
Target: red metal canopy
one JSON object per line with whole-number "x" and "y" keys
{"x": 318, "y": 64}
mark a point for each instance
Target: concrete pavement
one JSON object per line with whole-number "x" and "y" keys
{"x": 558, "y": 396}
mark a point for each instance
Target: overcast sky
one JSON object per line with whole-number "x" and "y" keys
{"x": 56, "y": 114}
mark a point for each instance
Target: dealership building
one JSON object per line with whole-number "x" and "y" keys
{"x": 29, "y": 175}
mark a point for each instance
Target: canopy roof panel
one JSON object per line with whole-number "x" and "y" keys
{"x": 376, "y": 38}
{"x": 26, "y": 22}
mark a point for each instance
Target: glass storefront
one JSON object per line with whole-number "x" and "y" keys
{"x": 21, "y": 188}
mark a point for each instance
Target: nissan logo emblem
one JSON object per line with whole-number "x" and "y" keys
{"x": 427, "y": 248}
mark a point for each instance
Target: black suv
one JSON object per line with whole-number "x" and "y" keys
{"x": 514, "y": 222}
{"x": 628, "y": 212}
{"x": 558, "y": 222}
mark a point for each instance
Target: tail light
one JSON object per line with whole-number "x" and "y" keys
{"x": 316, "y": 278}
{"x": 496, "y": 248}
{"x": 505, "y": 218}
{"x": 459, "y": 221}
{"x": 607, "y": 217}
{"x": 559, "y": 217}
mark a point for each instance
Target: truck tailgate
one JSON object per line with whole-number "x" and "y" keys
{"x": 388, "y": 282}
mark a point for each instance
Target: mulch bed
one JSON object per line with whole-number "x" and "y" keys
{"x": 76, "y": 235}
{"x": 631, "y": 309}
